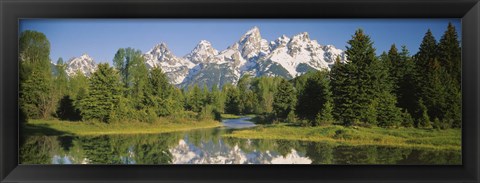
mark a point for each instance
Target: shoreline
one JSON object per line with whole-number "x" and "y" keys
{"x": 63, "y": 128}
{"x": 339, "y": 135}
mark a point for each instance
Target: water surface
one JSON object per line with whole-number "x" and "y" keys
{"x": 208, "y": 146}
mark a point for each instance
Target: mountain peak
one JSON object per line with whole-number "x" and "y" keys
{"x": 253, "y": 30}
{"x": 251, "y": 43}
{"x": 161, "y": 46}
{"x": 301, "y": 36}
{"x": 203, "y": 52}
{"x": 204, "y": 42}
{"x": 84, "y": 64}
{"x": 86, "y": 56}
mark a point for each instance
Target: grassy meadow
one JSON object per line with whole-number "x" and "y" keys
{"x": 449, "y": 139}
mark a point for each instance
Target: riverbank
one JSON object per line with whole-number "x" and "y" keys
{"x": 354, "y": 136}
{"x": 162, "y": 125}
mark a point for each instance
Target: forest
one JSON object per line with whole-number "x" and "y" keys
{"x": 393, "y": 90}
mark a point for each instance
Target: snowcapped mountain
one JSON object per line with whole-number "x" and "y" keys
{"x": 84, "y": 64}
{"x": 286, "y": 57}
{"x": 253, "y": 55}
{"x": 202, "y": 53}
{"x": 175, "y": 68}
{"x": 219, "y": 153}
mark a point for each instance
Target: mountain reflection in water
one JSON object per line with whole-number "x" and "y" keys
{"x": 208, "y": 146}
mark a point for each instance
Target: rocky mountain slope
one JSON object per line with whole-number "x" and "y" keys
{"x": 287, "y": 57}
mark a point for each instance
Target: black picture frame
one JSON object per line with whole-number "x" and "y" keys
{"x": 11, "y": 11}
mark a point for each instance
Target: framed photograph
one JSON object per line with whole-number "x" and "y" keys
{"x": 230, "y": 91}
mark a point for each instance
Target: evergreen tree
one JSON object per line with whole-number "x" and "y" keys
{"x": 450, "y": 58}
{"x": 341, "y": 85}
{"x": 232, "y": 101}
{"x": 315, "y": 94}
{"x": 160, "y": 94}
{"x": 424, "y": 120}
{"x": 247, "y": 97}
{"x": 449, "y": 53}
{"x": 388, "y": 114}
{"x": 359, "y": 81}
{"x": 325, "y": 116}
{"x": 407, "y": 120}
{"x": 264, "y": 89}
{"x": 103, "y": 96}
{"x": 405, "y": 89}
{"x": 424, "y": 59}
{"x": 394, "y": 66}
{"x": 284, "y": 100}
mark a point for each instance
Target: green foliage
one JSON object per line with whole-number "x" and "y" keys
{"x": 248, "y": 100}
{"x": 104, "y": 94}
{"x": 449, "y": 53}
{"x": 389, "y": 115}
{"x": 391, "y": 90}
{"x": 232, "y": 101}
{"x": 161, "y": 96}
{"x": 195, "y": 99}
{"x": 356, "y": 83}
{"x": 438, "y": 77}
{"x": 408, "y": 120}
{"x": 315, "y": 94}
{"x": 325, "y": 116}
{"x": 38, "y": 150}
{"x": 424, "y": 120}
{"x": 35, "y": 97}
{"x": 264, "y": 89}
{"x": 284, "y": 101}
{"x": 67, "y": 111}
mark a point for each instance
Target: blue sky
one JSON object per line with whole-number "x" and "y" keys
{"x": 101, "y": 38}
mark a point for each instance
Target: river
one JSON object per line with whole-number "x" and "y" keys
{"x": 208, "y": 146}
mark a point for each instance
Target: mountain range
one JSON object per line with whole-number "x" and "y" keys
{"x": 286, "y": 57}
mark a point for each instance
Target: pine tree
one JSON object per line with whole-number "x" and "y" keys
{"x": 425, "y": 57}
{"x": 103, "y": 96}
{"x": 341, "y": 88}
{"x": 424, "y": 120}
{"x": 232, "y": 101}
{"x": 450, "y": 58}
{"x": 160, "y": 94}
{"x": 284, "y": 100}
{"x": 449, "y": 53}
{"x": 407, "y": 120}
{"x": 388, "y": 114}
{"x": 359, "y": 81}
{"x": 325, "y": 116}
{"x": 315, "y": 94}
{"x": 195, "y": 99}
{"x": 405, "y": 89}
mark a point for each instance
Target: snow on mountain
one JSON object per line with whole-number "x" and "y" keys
{"x": 84, "y": 64}
{"x": 202, "y": 53}
{"x": 299, "y": 53}
{"x": 285, "y": 57}
{"x": 174, "y": 67}
{"x": 219, "y": 153}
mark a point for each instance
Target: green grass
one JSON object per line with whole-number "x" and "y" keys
{"x": 404, "y": 137}
{"x": 162, "y": 125}
{"x": 230, "y": 116}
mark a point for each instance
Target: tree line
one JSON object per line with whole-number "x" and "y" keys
{"x": 394, "y": 89}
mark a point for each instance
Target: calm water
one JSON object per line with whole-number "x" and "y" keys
{"x": 207, "y": 146}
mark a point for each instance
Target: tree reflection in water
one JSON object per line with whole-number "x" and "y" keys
{"x": 208, "y": 146}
